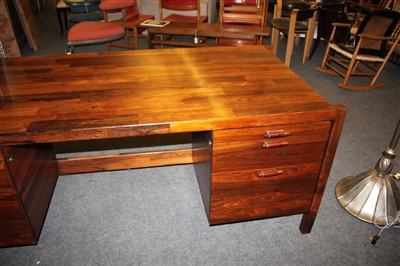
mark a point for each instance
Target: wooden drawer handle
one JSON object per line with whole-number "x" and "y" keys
{"x": 270, "y": 172}
{"x": 270, "y": 134}
{"x": 274, "y": 144}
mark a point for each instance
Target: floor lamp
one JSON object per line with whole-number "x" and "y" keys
{"x": 372, "y": 196}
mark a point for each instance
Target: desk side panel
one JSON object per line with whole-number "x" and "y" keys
{"x": 202, "y": 153}
{"x": 15, "y": 228}
{"x": 35, "y": 169}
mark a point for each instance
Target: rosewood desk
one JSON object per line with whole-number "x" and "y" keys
{"x": 263, "y": 140}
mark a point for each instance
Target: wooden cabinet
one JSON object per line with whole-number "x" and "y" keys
{"x": 28, "y": 175}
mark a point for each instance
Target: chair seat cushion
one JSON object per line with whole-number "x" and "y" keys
{"x": 93, "y": 30}
{"x": 182, "y": 18}
{"x": 349, "y": 54}
{"x": 116, "y": 4}
{"x": 283, "y": 24}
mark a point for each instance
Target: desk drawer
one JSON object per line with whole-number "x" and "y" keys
{"x": 248, "y": 195}
{"x": 246, "y": 149}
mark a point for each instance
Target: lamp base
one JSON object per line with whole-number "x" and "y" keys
{"x": 369, "y": 197}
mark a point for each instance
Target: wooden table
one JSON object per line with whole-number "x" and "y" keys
{"x": 263, "y": 140}
{"x": 203, "y": 30}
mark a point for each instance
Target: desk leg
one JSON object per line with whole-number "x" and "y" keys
{"x": 308, "y": 219}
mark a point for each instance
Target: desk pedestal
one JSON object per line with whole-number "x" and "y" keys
{"x": 28, "y": 175}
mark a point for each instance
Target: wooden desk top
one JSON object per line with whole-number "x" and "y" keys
{"x": 147, "y": 92}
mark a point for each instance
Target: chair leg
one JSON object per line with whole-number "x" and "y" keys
{"x": 38, "y": 6}
{"x": 275, "y": 40}
{"x": 327, "y": 51}
{"x": 378, "y": 73}
{"x": 307, "y": 46}
{"x": 135, "y": 36}
{"x": 291, "y": 37}
{"x": 69, "y": 49}
{"x": 161, "y": 38}
{"x": 309, "y": 37}
{"x": 350, "y": 69}
{"x": 289, "y": 49}
{"x": 297, "y": 39}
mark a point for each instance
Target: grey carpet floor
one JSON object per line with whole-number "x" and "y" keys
{"x": 155, "y": 216}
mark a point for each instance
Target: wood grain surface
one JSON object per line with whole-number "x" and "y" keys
{"x": 104, "y": 95}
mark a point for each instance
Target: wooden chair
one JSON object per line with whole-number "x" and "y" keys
{"x": 133, "y": 28}
{"x": 77, "y": 12}
{"x": 368, "y": 54}
{"x": 96, "y": 32}
{"x": 181, "y": 7}
{"x": 301, "y": 21}
{"x": 242, "y": 12}
{"x": 356, "y": 10}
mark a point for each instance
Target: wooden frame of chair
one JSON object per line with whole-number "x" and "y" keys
{"x": 381, "y": 4}
{"x": 250, "y": 12}
{"x": 351, "y": 61}
{"x": 190, "y": 6}
{"x": 133, "y": 28}
{"x": 180, "y": 6}
{"x": 39, "y": 7}
{"x": 292, "y": 32}
{"x": 396, "y": 5}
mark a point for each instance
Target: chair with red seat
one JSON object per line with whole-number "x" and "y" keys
{"x": 97, "y": 32}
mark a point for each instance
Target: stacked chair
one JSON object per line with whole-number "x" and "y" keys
{"x": 242, "y": 12}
